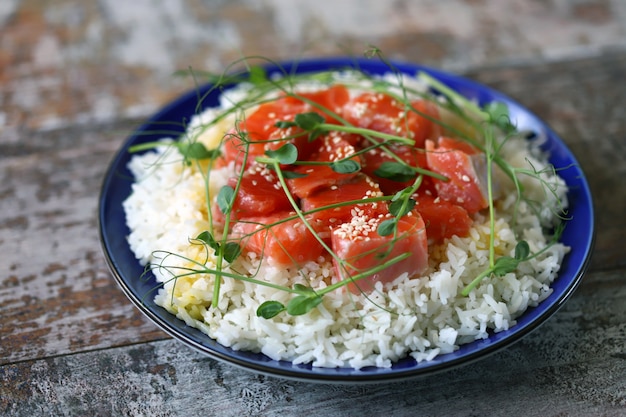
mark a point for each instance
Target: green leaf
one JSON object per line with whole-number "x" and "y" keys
{"x": 208, "y": 238}
{"x": 257, "y": 75}
{"x": 496, "y": 110}
{"x": 225, "y": 198}
{"x": 309, "y": 121}
{"x": 270, "y": 309}
{"x": 303, "y": 289}
{"x": 196, "y": 150}
{"x": 499, "y": 115}
{"x": 522, "y": 250}
{"x": 291, "y": 174}
{"x": 504, "y": 265}
{"x": 286, "y": 154}
{"x": 395, "y": 171}
{"x": 401, "y": 194}
{"x": 315, "y": 134}
{"x": 387, "y": 227}
{"x": 398, "y": 208}
{"x": 346, "y": 166}
{"x": 302, "y": 304}
{"x": 284, "y": 124}
{"x": 232, "y": 250}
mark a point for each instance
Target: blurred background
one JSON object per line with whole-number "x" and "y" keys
{"x": 68, "y": 62}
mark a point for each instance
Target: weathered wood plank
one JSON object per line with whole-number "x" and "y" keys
{"x": 574, "y": 365}
{"x": 56, "y": 292}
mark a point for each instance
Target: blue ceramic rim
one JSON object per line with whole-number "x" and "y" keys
{"x": 126, "y": 269}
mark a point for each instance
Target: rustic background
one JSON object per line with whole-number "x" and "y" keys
{"x": 77, "y": 76}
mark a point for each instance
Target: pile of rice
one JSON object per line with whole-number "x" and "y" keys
{"x": 421, "y": 317}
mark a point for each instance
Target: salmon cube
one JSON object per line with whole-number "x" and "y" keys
{"x": 361, "y": 248}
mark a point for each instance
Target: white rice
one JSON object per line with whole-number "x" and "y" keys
{"x": 421, "y": 317}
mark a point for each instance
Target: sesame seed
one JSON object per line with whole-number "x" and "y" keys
{"x": 359, "y": 109}
{"x": 359, "y": 226}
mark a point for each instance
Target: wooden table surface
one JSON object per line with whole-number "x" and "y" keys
{"x": 77, "y": 77}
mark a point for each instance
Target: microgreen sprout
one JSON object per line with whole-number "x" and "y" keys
{"x": 401, "y": 204}
{"x": 507, "y": 264}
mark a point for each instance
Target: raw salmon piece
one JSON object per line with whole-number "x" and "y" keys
{"x": 447, "y": 142}
{"x": 331, "y": 147}
{"x": 259, "y": 194}
{"x": 373, "y": 159}
{"x": 442, "y": 218}
{"x": 361, "y": 187}
{"x": 464, "y": 186}
{"x": 382, "y": 113}
{"x": 281, "y": 243}
{"x": 359, "y": 244}
{"x": 333, "y": 99}
{"x": 258, "y": 132}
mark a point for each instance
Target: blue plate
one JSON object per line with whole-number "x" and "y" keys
{"x": 579, "y": 234}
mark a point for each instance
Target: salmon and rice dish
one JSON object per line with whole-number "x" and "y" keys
{"x": 339, "y": 219}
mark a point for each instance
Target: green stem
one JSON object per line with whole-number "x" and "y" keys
{"x": 220, "y": 258}
{"x": 220, "y": 273}
{"x": 492, "y": 214}
{"x": 362, "y": 275}
{"x": 475, "y": 282}
{"x": 363, "y": 131}
{"x": 146, "y": 146}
